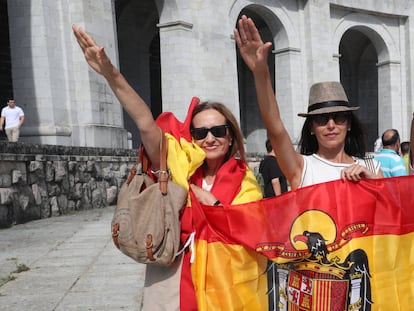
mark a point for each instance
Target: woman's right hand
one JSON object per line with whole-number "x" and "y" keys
{"x": 94, "y": 54}
{"x": 133, "y": 104}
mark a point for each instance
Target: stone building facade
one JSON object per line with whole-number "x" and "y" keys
{"x": 171, "y": 50}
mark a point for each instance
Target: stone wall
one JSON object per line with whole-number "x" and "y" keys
{"x": 40, "y": 181}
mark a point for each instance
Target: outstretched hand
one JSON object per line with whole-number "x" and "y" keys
{"x": 252, "y": 49}
{"x": 94, "y": 54}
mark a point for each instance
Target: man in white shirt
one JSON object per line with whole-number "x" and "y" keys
{"x": 14, "y": 117}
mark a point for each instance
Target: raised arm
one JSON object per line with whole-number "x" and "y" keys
{"x": 254, "y": 53}
{"x": 129, "y": 99}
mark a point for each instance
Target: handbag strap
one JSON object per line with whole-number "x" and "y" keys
{"x": 163, "y": 174}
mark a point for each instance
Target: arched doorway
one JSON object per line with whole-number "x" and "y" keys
{"x": 6, "y": 84}
{"x": 359, "y": 76}
{"x": 139, "y": 54}
{"x": 250, "y": 119}
{"x": 275, "y": 27}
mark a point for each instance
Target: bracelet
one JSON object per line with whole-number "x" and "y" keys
{"x": 217, "y": 203}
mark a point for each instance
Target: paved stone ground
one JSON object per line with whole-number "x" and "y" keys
{"x": 72, "y": 265}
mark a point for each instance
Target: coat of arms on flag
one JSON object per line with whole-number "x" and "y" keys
{"x": 315, "y": 281}
{"x": 304, "y": 293}
{"x": 333, "y": 246}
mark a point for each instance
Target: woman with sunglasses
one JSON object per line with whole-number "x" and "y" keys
{"x": 332, "y": 141}
{"x": 206, "y": 155}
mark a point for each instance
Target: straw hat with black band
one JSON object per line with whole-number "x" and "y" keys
{"x": 327, "y": 97}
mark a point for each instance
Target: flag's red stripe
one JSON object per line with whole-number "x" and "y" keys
{"x": 388, "y": 203}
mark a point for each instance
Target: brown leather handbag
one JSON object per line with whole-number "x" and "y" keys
{"x": 146, "y": 225}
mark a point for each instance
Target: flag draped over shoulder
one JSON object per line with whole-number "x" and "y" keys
{"x": 215, "y": 274}
{"x": 336, "y": 246}
{"x": 225, "y": 276}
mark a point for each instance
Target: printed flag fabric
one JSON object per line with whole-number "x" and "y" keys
{"x": 334, "y": 246}
{"x": 221, "y": 276}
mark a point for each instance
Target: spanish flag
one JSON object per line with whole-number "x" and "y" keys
{"x": 335, "y": 246}
{"x": 216, "y": 274}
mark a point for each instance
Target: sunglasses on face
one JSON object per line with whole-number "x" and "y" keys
{"x": 337, "y": 117}
{"x": 217, "y": 131}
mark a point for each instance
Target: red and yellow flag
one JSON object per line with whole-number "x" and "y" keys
{"x": 336, "y": 246}
{"x": 215, "y": 274}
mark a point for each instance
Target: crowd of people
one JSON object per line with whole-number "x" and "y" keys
{"x": 206, "y": 155}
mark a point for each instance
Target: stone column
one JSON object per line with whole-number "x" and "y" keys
{"x": 320, "y": 63}
{"x": 64, "y": 101}
{"x": 389, "y": 95}
{"x": 197, "y": 59}
{"x": 291, "y": 89}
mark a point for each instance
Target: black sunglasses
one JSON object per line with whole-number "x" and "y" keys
{"x": 217, "y": 131}
{"x": 337, "y": 117}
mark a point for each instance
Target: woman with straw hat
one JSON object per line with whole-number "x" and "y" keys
{"x": 332, "y": 141}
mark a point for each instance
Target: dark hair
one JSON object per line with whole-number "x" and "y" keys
{"x": 392, "y": 140}
{"x": 354, "y": 140}
{"x": 268, "y": 145}
{"x": 237, "y": 146}
{"x": 405, "y": 147}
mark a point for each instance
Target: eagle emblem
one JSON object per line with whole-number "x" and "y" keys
{"x": 314, "y": 277}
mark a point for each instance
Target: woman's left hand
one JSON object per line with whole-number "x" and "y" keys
{"x": 204, "y": 197}
{"x": 357, "y": 172}
{"x": 252, "y": 49}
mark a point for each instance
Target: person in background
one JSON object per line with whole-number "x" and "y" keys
{"x": 14, "y": 118}
{"x": 389, "y": 156}
{"x": 377, "y": 145}
{"x": 332, "y": 140}
{"x": 273, "y": 178}
{"x": 405, "y": 152}
{"x": 205, "y": 155}
{"x": 274, "y": 184}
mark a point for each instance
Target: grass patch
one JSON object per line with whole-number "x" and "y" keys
{"x": 21, "y": 268}
{"x": 9, "y": 278}
{"x": 12, "y": 275}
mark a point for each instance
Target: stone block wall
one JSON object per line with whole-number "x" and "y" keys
{"x": 40, "y": 181}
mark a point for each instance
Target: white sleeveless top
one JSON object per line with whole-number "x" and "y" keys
{"x": 318, "y": 170}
